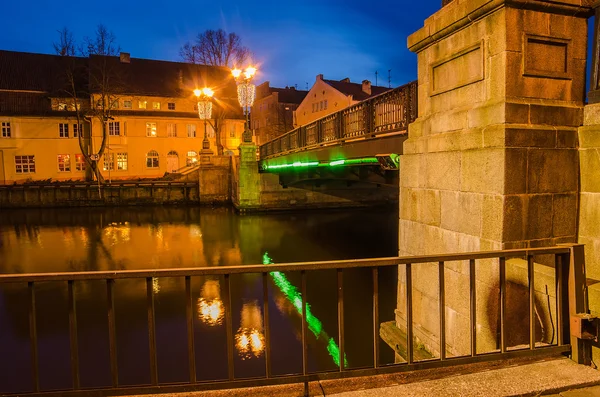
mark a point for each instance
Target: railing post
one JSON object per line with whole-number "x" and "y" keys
{"x": 574, "y": 267}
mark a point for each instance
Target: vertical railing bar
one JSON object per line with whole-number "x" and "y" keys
{"x": 304, "y": 344}
{"x": 33, "y": 338}
{"x": 442, "y": 294}
{"x": 558, "y": 280}
{"x": 112, "y": 334}
{"x": 189, "y": 314}
{"x": 502, "y": 271}
{"x": 229, "y": 322}
{"x": 266, "y": 321}
{"x": 73, "y": 335}
{"x": 530, "y": 271}
{"x": 409, "y": 315}
{"x": 151, "y": 331}
{"x": 473, "y": 290}
{"x": 376, "y": 317}
{"x": 340, "y": 288}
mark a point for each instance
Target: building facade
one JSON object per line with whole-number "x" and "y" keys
{"x": 149, "y": 113}
{"x": 329, "y": 96}
{"x": 273, "y": 111}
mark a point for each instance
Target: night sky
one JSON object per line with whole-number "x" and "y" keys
{"x": 292, "y": 41}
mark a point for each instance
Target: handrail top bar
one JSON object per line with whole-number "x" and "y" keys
{"x": 284, "y": 267}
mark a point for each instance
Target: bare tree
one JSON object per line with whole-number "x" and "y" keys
{"x": 103, "y": 87}
{"x": 66, "y": 44}
{"x": 216, "y": 48}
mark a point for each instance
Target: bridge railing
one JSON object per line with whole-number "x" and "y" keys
{"x": 564, "y": 260}
{"x": 389, "y": 112}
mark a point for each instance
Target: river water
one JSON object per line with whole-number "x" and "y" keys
{"x": 61, "y": 240}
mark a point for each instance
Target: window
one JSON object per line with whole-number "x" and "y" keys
{"x": 171, "y": 130}
{"x": 64, "y": 163}
{"x": 142, "y": 104}
{"x": 24, "y": 164}
{"x": 191, "y": 130}
{"x": 62, "y": 106}
{"x": 171, "y": 105}
{"x": 63, "y": 130}
{"x": 325, "y": 104}
{"x": 126, "y": 104}
{"x": 232, "y": 131}
{"x": 77, "y": 128}
{"x": 156, "y": 105}
{"x": 122, "y": 161}
{"x": 109, "y": 161}
{"x": 151, "y": 129}
{"x": 192, "y": 158}
{"x": 6, "y": 129}
{"x": 114, "y": 128}
{"x": 152, "y": 159}
{"x": 115, "y": 104}
{"x": 79, "y": 162}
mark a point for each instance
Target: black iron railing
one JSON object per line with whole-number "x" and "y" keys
{"x": 564, "y": 260}
{"x": 389, "y": 112}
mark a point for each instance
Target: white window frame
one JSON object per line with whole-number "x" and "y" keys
{"x": 114, "y": 128}
{"x": 6, "y": 130}
{"x": 77, "y": 128}
{"x": 108, "y": 162}
{"x": 63, "y": 130}
{"x": 152, "y": 159}
{"x": 150, "y": 128}
{"x": 25, "y": 164}
{"x": 122, "y": 161}
{"x": 189, "y": 158}
{"x": 65, "y": 165}
{"x": 191, "y": 130}
{"x": 127, "y": 104}
{"x": 80, "y": 163}
{"x": 171, "y": 130}
{"x": 155, "y": 105}
{"x": 171, "y": 105}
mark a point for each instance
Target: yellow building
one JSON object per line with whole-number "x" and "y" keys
{"x": 152, "y": 126}
{"x": 329, "y": 96}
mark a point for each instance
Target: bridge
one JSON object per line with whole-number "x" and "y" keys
{"x": 359, "y": 143}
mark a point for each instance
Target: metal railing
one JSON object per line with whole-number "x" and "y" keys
{"x": 564, "y": 260}
{"x": 389, "y": 112}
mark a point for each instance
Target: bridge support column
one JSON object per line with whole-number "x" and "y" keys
{"x": 248, "y": 183}
{"x": 491, "y": 161}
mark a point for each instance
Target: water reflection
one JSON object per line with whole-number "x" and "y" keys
{"x": 210, "y": 304}
{"x": 250, "y": 338}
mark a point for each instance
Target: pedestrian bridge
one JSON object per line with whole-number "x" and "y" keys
{"x": 361, "y": 142}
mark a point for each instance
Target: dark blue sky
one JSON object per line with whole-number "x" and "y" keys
{"x": 292, "y": 41}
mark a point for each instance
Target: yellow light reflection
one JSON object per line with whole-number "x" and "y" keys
{"x": 155, "y": 286}
{"x": 210, "y": 304}
{"x": 250, "y": 339}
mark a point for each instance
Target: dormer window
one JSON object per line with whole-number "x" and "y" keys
{"x": 62, "y": 106}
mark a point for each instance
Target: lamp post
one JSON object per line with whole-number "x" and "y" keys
{"x": 204, "y": 97}
{"x": 246, "y": 92}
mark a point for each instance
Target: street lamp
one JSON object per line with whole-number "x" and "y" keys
{"x": 204, "y": 111}
{"x": 246, "y": 92}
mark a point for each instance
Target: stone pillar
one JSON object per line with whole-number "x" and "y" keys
{"x": 248, "y": 189}
{"x": 491, "y": 161}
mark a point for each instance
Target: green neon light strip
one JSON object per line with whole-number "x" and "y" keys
{"x": 295, "y": 297}
{"x": 299, "y": 164}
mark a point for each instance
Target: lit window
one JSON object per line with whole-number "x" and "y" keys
{"x": 126, "y": 104}
{"x": 191, "y": 130}
{"x": 64, "y": 163}
{"x": 115, "y": 104}
{"x": 171, "y": 105}
{"x": 142, "y": 104}
{"x": 109, "y": 161}
{"x": 192, "y": 158}
{"x": 156, "y": 105}
{"x": 151, "y": 129}
{"x": 114, "y": 128}
{"x": 122, "y": 161}
{"x": 62, "y": 106}
{"x": 171, "y": 130}
{"x": 63, "y": 130}
{"x": 152, "y": 159}
{"x": 77, "y": 128}
{"x": 24, "y": 164}
{"x": 5, "y": 129}
{"x": 79, "y": 162}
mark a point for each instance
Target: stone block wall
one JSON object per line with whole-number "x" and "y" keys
{"x": 491, "y": 161}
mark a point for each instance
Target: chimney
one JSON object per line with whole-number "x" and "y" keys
{"x": 319, "y": 77}
{"x": 366, "y": 87}
{"x": 346, "y": 80}
{"x": 125, "y": 57}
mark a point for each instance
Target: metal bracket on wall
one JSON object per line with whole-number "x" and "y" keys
{"x": 585, "y": 326}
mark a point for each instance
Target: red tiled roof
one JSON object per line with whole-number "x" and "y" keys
{"x": 355, "y": 89}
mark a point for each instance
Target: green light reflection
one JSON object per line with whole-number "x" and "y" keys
{"x": 314, "y": 324}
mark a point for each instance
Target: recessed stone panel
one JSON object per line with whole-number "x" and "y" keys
{"x": 463, "y": 68}
{"x": 546, "y": 57}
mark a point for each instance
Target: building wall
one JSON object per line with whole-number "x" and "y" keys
{"x": 313, "y": 106}
{"x": 40, "y": 137}
{"x": 270, "y": 118}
